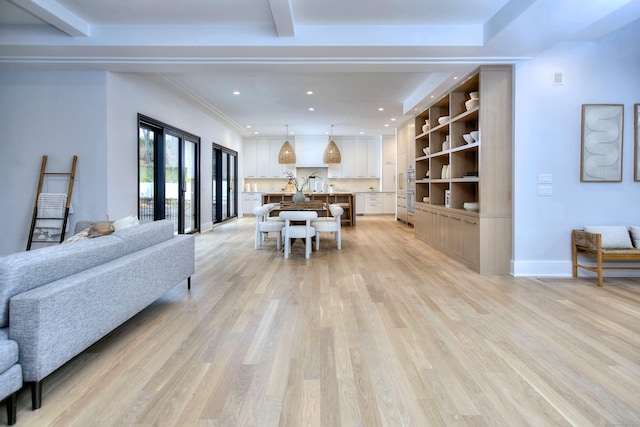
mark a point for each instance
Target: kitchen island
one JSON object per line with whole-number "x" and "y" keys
{"x": 345, "y": 200}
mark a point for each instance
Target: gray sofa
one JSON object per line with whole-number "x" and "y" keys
{"x": 57, "y": 301}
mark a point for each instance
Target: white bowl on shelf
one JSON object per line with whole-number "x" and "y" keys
{"x": 475, "y": 135}
{"x": 442, "y": 120}
{"x": 467, "y": 138}
{"x": 471, "y": 206}
{"x": 474, "y": 95}
{"x": 471, "y": 104}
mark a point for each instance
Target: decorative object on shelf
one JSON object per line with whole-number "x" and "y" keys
{"x": 425, "y": 199}
{"x": 467, "y": 138}
{"x": 286, "y": 156}
{"x": 475, "y": 135}
{"x": 471, "y": 104}
{"x": 445, "y": 172}
{"x": 298, "y": 197}
{"x": 425, "y": 128}
{"x": 474, "y": 95}
{"x": 332, "y": 153}
{"x": 601, "y": 145}
{"x": 636, "y": 127}
{"x": 427, "y": 175}
{"x": 471, "y": 206}
{"x": 472, "y": 174}
{"x": 445, "y": 145}
{"x": 444, "y": 119}
{"x": 425, "y": 150}
{"x": 447, "y": 198}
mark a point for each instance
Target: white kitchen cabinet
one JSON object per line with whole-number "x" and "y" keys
{"x": 360, "y": 203}
{"x": 388, "y": 202}
{"x": 388, "y": 174}
{"x": 373, "y": 157}
{"x": 250, "y": 201}
{"x": 262, "y": 158}
{"x": 361, "y": 165}
{"x": 348, "y": 154}
{"x": 373, "y": 203}
{"x": 276, "y": 170}
{"x": 250, "y": 158}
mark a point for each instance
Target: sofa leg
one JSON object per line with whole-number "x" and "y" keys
{"x": 189, "y": 282}
{"x": 12, "y": 408}
{"x": 36, "y": 394}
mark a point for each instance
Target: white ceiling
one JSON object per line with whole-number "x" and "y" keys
{"x": 355, "y": 55}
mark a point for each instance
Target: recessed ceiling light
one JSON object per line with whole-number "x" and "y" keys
{"x": 311, "y": 109}
{"x": 309, "y": 92}
{"x": 380, "y": 109}
{"x": 386, "y": 125}
{"x": 255, "y": 133}
{"x": 235, "y": 92}
{"x": 361, "y": 133}
{"x": 248, "y": 126}
{"x": 455, "y": 77}
{"x": 393, "y": 119}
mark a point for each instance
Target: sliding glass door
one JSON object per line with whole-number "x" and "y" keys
{"x": 168, "y": 175}
{"x": 224, "y": 179}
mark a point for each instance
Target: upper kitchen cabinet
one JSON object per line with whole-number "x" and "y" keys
{"x": 360, "y": 158}
{"x": 261, "y": 157}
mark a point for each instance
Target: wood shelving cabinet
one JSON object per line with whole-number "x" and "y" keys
{"x": 453, "y": 171}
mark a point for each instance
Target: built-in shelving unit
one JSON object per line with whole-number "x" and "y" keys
{"x": 451, "y": 171}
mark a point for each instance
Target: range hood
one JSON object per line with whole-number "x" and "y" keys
{"x": 310, "y": 151}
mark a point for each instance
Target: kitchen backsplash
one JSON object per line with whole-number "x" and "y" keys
{"x": 339, "y": 184}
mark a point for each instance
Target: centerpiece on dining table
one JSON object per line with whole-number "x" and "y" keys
{"x": 299, "y": 184}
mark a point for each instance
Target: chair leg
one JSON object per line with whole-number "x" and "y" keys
{"x": 317, "y": 241}
{"x": 307, "y": 247}
{"x": 278, "y": 239}
{"x": 339, "y": 240}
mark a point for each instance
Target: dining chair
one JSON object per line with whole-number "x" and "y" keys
{"x": 295, "y": 231}
{"x": 264, "y": 227}
{"x": 330, "y": 224}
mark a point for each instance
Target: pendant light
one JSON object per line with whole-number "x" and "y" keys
{"x": 332, "y": 153}
{"x": 286, "y": 156}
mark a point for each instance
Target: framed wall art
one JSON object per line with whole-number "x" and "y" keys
{"x": 636, "y": 142}
{"x": 601, "y": 143}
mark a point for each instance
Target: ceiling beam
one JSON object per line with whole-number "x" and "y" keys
{"x": 282, "y": 17}
{"x": 52, "y": 13}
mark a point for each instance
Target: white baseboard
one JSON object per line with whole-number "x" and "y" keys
{"x": 562, "y": 269}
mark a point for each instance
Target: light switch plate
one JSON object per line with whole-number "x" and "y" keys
{"x": 544, "y": 190}
{"x": 545, "y": 178}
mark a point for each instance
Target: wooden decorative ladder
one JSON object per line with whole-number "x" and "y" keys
{"x": 37, "y": 216}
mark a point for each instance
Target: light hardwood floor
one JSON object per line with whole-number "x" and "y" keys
{"x": 387, "y": 332}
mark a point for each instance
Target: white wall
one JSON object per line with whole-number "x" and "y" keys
{"x": 130, "y": 94}
{"x": 58, "y": 114}
{"x": 547, "y": 140}
{"x": 92, "y": 115}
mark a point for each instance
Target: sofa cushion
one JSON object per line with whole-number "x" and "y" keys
{"x": 22, "y": 271}
{"x": 613, "y": 237}
{"x": 8, "y": 354}
{"x": 145, "y": 235}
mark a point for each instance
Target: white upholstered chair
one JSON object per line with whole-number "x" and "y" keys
{"x": 293, "y": 231}
{"x": 264, "y": 226}
{"x": 329, "y": 225}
